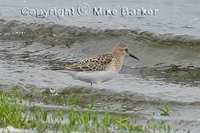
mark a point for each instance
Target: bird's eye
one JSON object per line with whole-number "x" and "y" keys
{"x": 126, "y": 49}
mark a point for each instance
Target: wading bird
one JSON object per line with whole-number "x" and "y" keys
{"x": 100, "y": 68}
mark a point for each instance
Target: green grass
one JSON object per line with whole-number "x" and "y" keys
{"x": 165, "y": 110}
{"x": 14, "y": 113}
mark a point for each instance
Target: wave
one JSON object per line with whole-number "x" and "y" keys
{"x": 54, "y": 34}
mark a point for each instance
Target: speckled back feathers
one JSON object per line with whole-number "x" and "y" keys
{"x": 97, "y": 63}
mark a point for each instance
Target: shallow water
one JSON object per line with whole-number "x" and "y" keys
{"x": 29, "y": 64}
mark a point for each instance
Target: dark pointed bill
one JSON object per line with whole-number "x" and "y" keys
{"x": 131, "y": 55}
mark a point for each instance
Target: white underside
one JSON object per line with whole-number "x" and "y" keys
{"x": 93, "y": 77}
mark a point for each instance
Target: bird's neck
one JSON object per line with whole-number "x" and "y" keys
{"x": 117, "y": 62}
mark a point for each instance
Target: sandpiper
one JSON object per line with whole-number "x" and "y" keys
{"x": 100, "y": 68}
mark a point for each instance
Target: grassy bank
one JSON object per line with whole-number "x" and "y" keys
{"x": 15, "y": 112}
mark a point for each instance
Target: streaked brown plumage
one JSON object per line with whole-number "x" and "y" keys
{"x": 97, "y": 63}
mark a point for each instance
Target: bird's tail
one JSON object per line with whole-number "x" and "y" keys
{"x": 73, "y": 67}
{"x": 69, "y": 67}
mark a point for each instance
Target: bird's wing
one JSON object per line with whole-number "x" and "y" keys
{"x": 97, "y": 63}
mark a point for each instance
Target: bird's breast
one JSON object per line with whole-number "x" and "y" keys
{"x": 116, "y": 64}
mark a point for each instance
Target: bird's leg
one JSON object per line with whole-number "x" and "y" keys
{"x": 91, "y": 83}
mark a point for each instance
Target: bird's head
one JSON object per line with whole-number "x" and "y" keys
{"x": 122, "y": 49}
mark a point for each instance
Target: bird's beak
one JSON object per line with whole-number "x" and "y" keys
{"x": 131, "y": 55}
